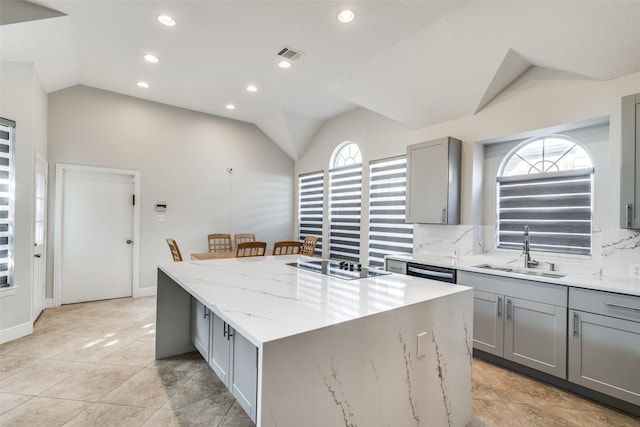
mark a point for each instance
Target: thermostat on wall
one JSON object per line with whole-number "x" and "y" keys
{"x": 161, "y": 207}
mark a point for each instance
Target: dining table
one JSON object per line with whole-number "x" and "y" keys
{"x": 200, "y": 256}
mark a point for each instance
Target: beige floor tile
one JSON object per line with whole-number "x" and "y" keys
{"x": 41, "y": 375}
{"x": 513, "y": 387}
{"x": 536, "y": 416}
{"x": 91, "y": 382}
{"x": 42, "y": 412}
{"x": 149, "y": 388}
{"x": 489, "y": 413}
{"x": 169, "y": 418}
{"x": 47, "y": 346}
{"x": 93, "y": 349}
{"x": 203, "y": 393}
{"x": 10, "y": 365}
{"x": 185, "y": 362}
{"x": 10, "y": 400}
{"x": 240, "y": 421}
{"x": 102, "y": 414}
{"x": 136, "y": 353}
{"x": 599, "y": 418}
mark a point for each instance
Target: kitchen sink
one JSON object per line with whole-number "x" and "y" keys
{"x": 520, "y": 271}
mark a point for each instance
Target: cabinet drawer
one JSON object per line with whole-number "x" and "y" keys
{"x": 605, "y": 303}
{"x": 525, "y": 289}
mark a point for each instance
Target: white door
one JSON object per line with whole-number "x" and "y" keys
{"x": 40, "y": 236}
{"x": 97, "y": 233}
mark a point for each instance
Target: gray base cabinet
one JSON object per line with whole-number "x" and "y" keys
{"x": 200, "y": 327}
{"x": 235, "y": 360}
{"x": 520, "y": 320}
{"x": 604, "y": 343}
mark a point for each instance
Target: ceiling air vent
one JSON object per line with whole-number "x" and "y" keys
{"x": 290, "y": 54}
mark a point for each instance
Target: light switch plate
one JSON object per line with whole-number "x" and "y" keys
{"x": 634, "y": 271}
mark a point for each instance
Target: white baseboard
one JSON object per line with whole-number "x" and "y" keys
{"x": 15, "y": 332}
{"x": 145, "y": 292}
{"x": 48, "y": 303}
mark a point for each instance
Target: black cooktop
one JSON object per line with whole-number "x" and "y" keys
{"x": 340, "y": 269}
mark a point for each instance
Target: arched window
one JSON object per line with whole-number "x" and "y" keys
{"x": 547, "y": 184}
{"x": 346, "y": 154}
{"x": 345, "y": 202}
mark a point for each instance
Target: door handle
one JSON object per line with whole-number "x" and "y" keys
{"x": 37, "y": 256}
{"x": 129, "y": 241}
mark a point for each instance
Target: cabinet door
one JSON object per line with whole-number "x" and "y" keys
{"x": 488, "y": 323}
{"x": 630, "y": 162}
{"x": 604, "y": 354}
{"x": 200, "y": 327}
{"x": 428, "y": 182}
{"x": 220, "y": 354}
{"x": 535, "y": 335}
{"x": 245, "y": 374}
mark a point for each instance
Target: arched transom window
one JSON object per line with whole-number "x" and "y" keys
{"x": 546, "y": 184}
{"x": 347, "y": 154}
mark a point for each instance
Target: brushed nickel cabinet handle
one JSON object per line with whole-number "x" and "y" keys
{"x": 576, "y": 320}
{"x": 444, "y": 215}
{"x": 629, "y": 210}
{"x": 499, "y": 306}
{"x": 509, "y": 303}
{"x": 626, "y": 307}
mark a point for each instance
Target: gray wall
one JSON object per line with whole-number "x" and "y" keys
{"x": 23, "y": 100}
{"x": 182, "y": 156}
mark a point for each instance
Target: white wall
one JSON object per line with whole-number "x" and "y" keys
{"x": 182, "y": 156}
{"x": 23, "y": 100}
{"x": 540, "y": 99}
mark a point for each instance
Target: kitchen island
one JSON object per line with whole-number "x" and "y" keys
{"x": 307, "y": 348}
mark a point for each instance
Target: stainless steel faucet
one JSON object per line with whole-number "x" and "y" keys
{"x": 528, "y": 262}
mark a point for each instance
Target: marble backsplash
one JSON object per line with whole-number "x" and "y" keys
{"x": 614, "y": 251}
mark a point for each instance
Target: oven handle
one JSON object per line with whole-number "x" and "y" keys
{"x": 429, "y": 273}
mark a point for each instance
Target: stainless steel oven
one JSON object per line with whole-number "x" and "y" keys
{"x": 442, "y": 274}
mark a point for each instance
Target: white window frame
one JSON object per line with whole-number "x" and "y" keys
{"x": 311, "y": 207}
{"x": 7, "y": 234}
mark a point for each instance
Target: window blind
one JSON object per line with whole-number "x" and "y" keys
{"x": 345, "y": 188}
{"x": 388, "y": 232}
{"x": 311, "y": 206}
{"x": 6, "y": 202}
{"x": 557, "y": 207}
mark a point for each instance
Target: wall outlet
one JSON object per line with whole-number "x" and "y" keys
{"x": 160, "y": 217}
{"x": 422, "y": 344}
{"x": 634, "y": 271}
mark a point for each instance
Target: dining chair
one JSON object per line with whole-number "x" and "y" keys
{"x": 244, "y": 237}
{"x": 247, "y": 249}
{"x": 219, "y": 242}
{"x": 175, "y": 251}
{"x": 308, "y": 245}
{"x": 286, "y": 247}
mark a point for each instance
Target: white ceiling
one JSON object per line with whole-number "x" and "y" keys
{"x": 417, "y": 62}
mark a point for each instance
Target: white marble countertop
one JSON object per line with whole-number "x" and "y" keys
{"x": 586, "y": 281}
{"x": 265, "y": 299}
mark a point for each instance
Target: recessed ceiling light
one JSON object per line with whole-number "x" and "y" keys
{"x": 346, "y": 15}
{"x": 230, "y": 107}
{"x": 143, "y": 85}
{"x": 151, "y": 58}
{"x": 166, "y": 20}
{"x": 252, "y": 88}
{"x": 284, "y": 64}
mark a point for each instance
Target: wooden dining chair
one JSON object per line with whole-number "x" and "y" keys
{"x": 175, "y": 251}
{"x": 308, "y": 245}
{"x": 247, "y": 249}
{"x": 286, "y": 247}
{"x": 244, "y": 237}
{"x": 219, "y": 242}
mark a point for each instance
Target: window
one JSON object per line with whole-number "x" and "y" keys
{"x": 547, "y": 184}
{"x": 7, "y": 194}
{"x": 311, "y": 206}
{"x": 388, "y": 232}
{"x": 345, "y": 197}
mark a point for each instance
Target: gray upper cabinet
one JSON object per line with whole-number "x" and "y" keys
{"x": 433, "y": 182}
{"x": 630, "y": 163}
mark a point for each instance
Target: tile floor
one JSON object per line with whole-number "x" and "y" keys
{"x": 92, "y": 364}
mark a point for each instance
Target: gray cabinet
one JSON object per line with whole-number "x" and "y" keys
{"x": 395, "y": 266}
{"x": 235, "y": 360}
{"x": 630, "y": 163}
{"x": 200, "y": 327}
{"x": 433, "y": 182}
{"x": 604, "y": 343}
{"x": 520, "y": 320}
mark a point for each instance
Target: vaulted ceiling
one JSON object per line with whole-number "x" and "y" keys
{"x": 416, "y": 62}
